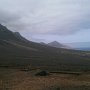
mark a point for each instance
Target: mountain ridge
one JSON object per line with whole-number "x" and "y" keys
{"x": 14, "y": 51}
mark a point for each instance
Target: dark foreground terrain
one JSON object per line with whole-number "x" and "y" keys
{"x": 16, "y": 79}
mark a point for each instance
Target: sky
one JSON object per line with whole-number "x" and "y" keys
{"x": 65, "y": 21}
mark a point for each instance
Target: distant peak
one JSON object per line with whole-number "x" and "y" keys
{"x": 55, "y": 42}
{"x": 57, "y": 45}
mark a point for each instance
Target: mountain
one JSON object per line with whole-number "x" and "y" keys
{"x": 6, "y": 34}
{"x": 16, "y": 51}
{"x": 18, "y": 35}
{"x": 58, "y": 45}
{"x": 80, "y": 45}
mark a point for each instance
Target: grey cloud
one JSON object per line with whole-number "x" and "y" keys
{"x": 12, "y": 21}
{"x": 6, "y": 17}
{"x": 46, "y": 16}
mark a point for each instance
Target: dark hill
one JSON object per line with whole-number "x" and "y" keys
{"x": 6, "y": 34}
{"x": 18, "y": 35}
{"x": 15, "y": 51}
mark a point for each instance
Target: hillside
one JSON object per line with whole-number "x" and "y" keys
{"x": 58, "y": 45}
{"x": 15, "y": 51}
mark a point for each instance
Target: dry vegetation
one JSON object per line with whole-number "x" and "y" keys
{"x": 12, "y": 79}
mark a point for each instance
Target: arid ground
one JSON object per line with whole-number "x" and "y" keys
{"x": 15, "y": 79}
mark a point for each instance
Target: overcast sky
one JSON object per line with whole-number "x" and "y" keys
{"x": 48, "y": 20}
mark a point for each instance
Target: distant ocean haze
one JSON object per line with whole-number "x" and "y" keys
{"x": 80, "y": 45}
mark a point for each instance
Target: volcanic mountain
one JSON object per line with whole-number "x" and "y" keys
{"x": 16, "y": 50}
{"x": 58, "y": 45}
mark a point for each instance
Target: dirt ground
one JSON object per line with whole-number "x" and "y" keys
{"x": 21, "y": 80}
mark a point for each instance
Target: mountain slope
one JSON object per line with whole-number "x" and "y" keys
{"x": 18, "y": 35}
{"x": 58, "y": 45}
{"x": 15, "y": 51}
{"x": 6, "y": 34}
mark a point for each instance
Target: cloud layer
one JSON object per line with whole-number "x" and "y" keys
{"x": 60, "y": 17}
